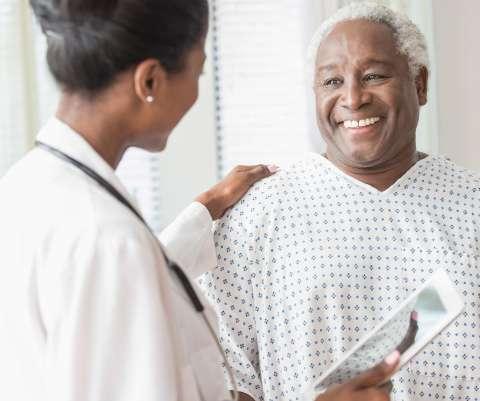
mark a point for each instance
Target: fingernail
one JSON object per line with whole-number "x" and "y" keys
{"x": 392, "y": 359}
{"x": 414, "y": 315}
{"x": 272, "y": 168}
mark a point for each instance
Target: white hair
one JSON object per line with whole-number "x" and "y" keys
{"x": 410, "y": 41}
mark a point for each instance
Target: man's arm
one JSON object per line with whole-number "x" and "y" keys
{"x": 229, "y": 289}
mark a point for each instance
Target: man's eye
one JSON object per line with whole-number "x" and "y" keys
{"x": 373, "y": 77}
{"x": 331, "y": 82}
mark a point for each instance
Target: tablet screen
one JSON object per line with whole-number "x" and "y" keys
{"x": 409, "y": 326}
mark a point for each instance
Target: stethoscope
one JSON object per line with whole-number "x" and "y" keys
{"x": 173, "y": 267}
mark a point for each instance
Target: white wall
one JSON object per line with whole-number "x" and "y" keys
{"x": 188, "y": 165}
{"x": 457, "y": 34}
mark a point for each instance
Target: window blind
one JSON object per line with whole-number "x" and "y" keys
{"x": 139, "y": 171}
{"x": 263, "y": 99}
{"x": 14, "y": 126}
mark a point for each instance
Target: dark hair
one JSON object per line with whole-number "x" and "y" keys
{"x": 91, "y": 41}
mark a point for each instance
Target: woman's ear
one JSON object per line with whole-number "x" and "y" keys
{"x": 421, "y": 83}
{"x": 150, "y": 80}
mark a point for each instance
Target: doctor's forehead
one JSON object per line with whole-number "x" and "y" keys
{"x": 362, "y": 40}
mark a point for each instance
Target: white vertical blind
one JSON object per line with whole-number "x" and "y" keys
{"x": 140, "y": 173}
{"x": 262, "y": 106}
{"x": 14, "y": 81}
{"x": 421, "y": 12}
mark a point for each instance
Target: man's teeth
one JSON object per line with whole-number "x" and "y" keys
{"x": 360, "y": 123}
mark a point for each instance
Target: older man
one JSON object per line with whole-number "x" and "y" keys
{"x": 315, "y": 257}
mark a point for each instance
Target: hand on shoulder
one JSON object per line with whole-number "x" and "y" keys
{"x": 233, "y": 187}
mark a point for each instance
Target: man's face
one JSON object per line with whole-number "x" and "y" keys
{"x": 367, "y": 101}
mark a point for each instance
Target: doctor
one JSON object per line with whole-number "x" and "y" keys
{"x": 90, "y": 308}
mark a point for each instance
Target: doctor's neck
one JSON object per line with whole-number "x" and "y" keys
{"x": 102, "y": 120}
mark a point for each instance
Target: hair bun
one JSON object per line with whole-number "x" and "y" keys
{"x": 54, "y": 15}
{"x": 46, "y": 14}
{"x": 95, "y": 40}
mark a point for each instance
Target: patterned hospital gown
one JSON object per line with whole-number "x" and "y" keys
{"x": 311, "y": 259}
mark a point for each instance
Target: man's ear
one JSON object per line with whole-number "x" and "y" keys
{"x": 150, "y": 80}
{"x": 421, "y": 83}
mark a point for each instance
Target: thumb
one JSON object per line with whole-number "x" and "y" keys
{"x": 379, "y": 373}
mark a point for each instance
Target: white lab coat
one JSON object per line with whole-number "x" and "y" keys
{"x": 88, "y": 309}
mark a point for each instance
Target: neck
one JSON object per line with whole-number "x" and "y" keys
{"x": 385, "y": 175}
{"x": 97, "y": 123}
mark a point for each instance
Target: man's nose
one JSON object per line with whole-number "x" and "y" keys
{"x": 354, "y": 95}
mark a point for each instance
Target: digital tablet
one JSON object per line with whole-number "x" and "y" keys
{"x": 411, "y": 326}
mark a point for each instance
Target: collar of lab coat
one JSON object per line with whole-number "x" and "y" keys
{"x": 60, "y": 136}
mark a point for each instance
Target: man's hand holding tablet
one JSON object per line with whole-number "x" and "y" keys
{"x": 408, "y": 329}
{"x": 367, "y": 386}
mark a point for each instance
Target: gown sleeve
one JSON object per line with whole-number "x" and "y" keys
{"x": 229, "y": 288}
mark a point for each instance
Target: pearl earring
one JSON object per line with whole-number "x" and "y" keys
{"x": 150, "y": 99}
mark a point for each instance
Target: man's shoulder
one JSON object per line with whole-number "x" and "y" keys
{"x": 458, "y": 178}
{"x": 452, "y": 182}
{"x": 273, "y": 189}
{"x": 264, "y": 198}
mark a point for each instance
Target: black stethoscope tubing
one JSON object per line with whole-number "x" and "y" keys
{"x": 179, "y": 273}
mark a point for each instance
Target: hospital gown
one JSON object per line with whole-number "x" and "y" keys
{"x": 312, "y": 259}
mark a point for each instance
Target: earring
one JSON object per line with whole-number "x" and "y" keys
{"x": 149, "y": 99}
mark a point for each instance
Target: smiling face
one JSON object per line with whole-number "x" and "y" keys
{"x": 367, "y": 101}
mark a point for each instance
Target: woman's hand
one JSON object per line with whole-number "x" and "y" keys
{"x": 231, "y": 189}
{"x": 366, "y": 387}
